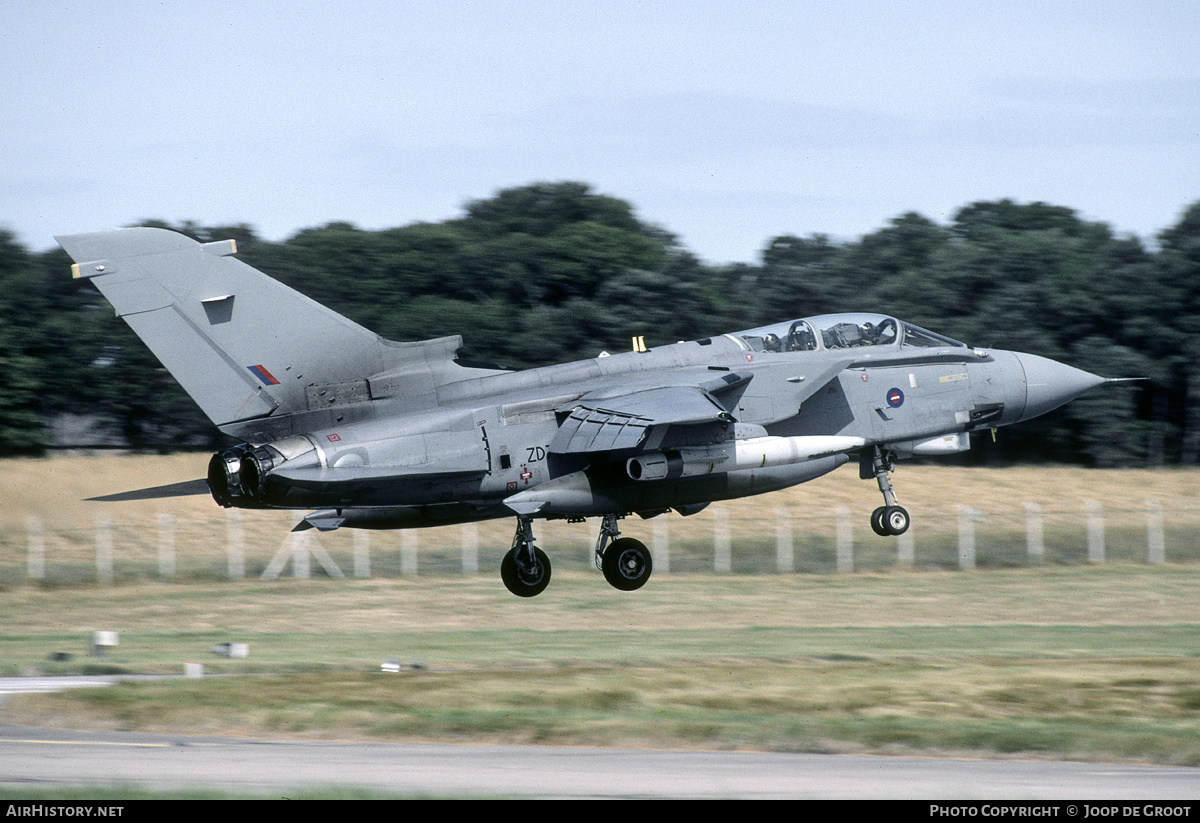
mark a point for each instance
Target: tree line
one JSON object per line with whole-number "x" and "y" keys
{"x": 553, "y": 272}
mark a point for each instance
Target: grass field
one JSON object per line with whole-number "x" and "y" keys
{"x": 1061, "y": 659}
{"x": 54, "y": 493}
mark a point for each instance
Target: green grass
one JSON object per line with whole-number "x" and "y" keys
{"x": 1102, "y": 709}
{"x": 1075, "y": 661}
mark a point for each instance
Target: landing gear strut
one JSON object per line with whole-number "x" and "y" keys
{"x": 525, "y": 570}
{"x": 890, "y": 518}
{"x": 625, "y": 561}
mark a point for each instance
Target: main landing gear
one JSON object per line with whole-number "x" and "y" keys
{"x": 625, "y": 562}
{"x": 890, "y": 518}
{"x": 525, "y": 570}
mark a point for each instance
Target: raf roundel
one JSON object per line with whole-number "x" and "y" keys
{"x": 895, "y": 398}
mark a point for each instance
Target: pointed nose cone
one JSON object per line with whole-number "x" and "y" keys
{"x": 1050, "y": 384}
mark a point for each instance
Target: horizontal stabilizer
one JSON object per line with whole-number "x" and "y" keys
{"x": 187, "y": 488}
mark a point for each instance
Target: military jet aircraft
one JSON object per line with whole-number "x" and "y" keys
{"x": 369, "y": 433}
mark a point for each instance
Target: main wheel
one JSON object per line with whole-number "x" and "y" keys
{"x": 895, "y": 519}
{"x": 525, "y": 582}
{"x": 626, "y": 564}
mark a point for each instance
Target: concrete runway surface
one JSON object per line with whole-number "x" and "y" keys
{"x": 42, "y": 758}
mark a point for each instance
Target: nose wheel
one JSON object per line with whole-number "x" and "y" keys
{"x": 891, "y": 518}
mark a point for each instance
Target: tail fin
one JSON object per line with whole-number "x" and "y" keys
{"x": 243, "y": 345}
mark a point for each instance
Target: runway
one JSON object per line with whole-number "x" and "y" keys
{"x": 34, "y": 758}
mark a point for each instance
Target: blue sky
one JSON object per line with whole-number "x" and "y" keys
{"x": 725, "y": 123}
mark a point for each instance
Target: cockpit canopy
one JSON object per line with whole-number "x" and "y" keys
{"x": 840, "y": 331}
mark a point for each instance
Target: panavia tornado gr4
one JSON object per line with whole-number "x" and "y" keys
{"x": 364, "y": 432}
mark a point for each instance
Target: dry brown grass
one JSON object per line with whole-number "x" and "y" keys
{"x": 56, "y": 490}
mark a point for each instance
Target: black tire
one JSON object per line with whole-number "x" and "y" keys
{"x": 877, "y": 523}
{"x": 527, "y": 583}
{"x": 895, "y": 519}
{"x": 626, "y": 564}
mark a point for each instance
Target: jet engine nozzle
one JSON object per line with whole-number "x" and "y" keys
{"x": 255, "y": 465}
{"x": 225, "y": 475}
{"x": 238, "y": 476}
